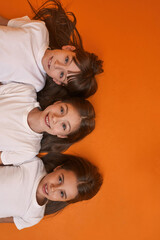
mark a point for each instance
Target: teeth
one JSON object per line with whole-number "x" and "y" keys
{"x": 49, "y": 63}
{"x": 46, "y": 189}
{"x": 47, "y": 121}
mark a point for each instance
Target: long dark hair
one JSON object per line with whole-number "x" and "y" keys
{"x": 61, "y": 24}
{"x": 88, "y": 178}
{"x": 87, "y": 125}
{"x": 62, "y": 30}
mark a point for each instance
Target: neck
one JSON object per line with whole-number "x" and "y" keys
{"x": 40, "y": 199}
{"x": 33, "y": 120}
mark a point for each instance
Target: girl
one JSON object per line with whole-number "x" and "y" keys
{"x": 33, "y": 189}
{"x": 22, "y": 123}
{"x": 28, "y": 54}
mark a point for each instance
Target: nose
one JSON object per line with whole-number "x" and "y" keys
{"x": 53, "y": 187}
{"x": 57, "y": 64}
{"x": 55, "y": 118}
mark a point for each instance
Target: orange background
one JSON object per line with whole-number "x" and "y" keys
{"x": 126, "y": 142}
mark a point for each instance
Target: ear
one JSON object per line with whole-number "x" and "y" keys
{"x": 56, "y": 81}
{"x": 62, "y": 136}
{"x": 69, "y": 47}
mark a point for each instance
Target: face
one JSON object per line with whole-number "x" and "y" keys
{"x": 60, "y": 119}
{"x": 59, "y": 64}
{"x": 60, "y": 185}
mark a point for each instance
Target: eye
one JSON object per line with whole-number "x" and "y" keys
{"x": 64, "y": 126}
{"x": 62, "y": 194}
{"x": 60, "y": 179}
{"x": 62, "y": 110}
{"x": 61, "y": 74}
{"x": 66, "y": 59}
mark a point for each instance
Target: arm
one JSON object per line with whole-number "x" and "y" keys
{"x": 3, "y": 21}
{"x": 6, "y": 220}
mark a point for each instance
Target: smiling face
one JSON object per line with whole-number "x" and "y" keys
{"x": 59, "y": 64}
{"x": 60, "y": 119}
{"x": 60, "y": 185}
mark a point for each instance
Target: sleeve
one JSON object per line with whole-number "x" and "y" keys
{"x": 18, "y": 88}
{"x": 26, "y": 222}
{"x": 17, "y": 158}
{"x": 24, "y": 22}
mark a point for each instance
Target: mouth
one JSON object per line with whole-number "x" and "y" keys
{"x": 47, "y": 121}
{"x": 49, "y": 62}
{"x": 45, "y": 189}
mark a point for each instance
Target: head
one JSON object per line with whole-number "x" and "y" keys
{"x": 60, "y": 119}
{"x": 59, "y": 185}
{"x": 74, "y": 179}
{"x": 74, "y": 117}
{"x": 74, "y": 69}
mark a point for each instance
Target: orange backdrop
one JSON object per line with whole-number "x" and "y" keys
{"x": 125, "y": 144}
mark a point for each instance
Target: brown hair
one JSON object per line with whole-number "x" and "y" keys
{"x": 62, "y": 30}
{"x": 88, "y": 177}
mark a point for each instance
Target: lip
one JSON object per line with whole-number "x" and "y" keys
{"x": 47, "y": 121}
{"x": 49, "y": 62}
{"x": 45, "y": 189}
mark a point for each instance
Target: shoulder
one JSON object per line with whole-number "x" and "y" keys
{"x": 29, "y": 221}
{"x": 35, "y": 212}
{"x": 19, "y": 89}
{"x": 25, "y": 22}
{"x": 22, "y": 158}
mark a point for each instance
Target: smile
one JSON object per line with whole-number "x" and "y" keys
{"x": 45, "y": 189}
{"x": 49, "y": 62}
{"x": 47, "y": 121}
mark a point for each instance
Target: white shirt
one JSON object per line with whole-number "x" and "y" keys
{"x": 22, "y": 45}
{"x": 18, "y": 142}
{"x": 18, "y": 186}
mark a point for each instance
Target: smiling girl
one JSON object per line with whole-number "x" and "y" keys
{"x": 24, "y": 127}
{"x": 34, "y": 189}
{"x": 47, "y": 52}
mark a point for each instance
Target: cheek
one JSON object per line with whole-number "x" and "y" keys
{"x": 53, "y": 197}
{"x": 56, "y": 129}
{"x": 54, "y": 73}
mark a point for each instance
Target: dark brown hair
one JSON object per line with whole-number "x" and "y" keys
{"x": 88, "y": 178}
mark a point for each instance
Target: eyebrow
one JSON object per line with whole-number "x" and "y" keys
{"x": 67, "y": 121}
{"x": 71, "y": 71}
{"x": 65, "y": 195}
{"x": 71, "y": 60}
{"x": 69, "y": 127}
{"x": 68, "y": 71}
